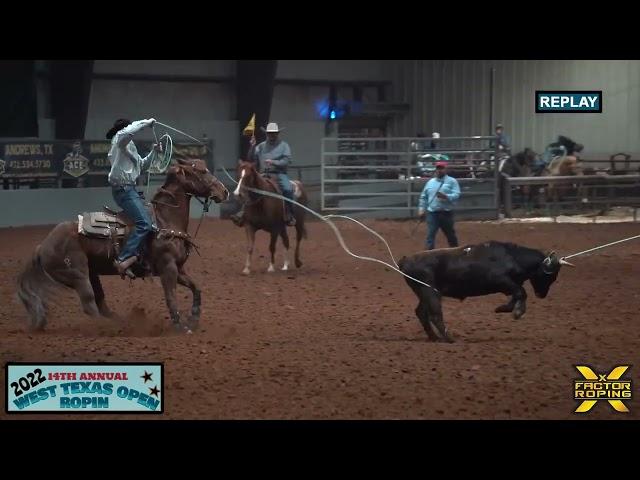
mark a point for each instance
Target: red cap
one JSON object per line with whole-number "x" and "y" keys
{"x": 441, "y": 164}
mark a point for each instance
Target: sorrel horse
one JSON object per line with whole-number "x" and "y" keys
{"x": 70, "y": 257}
{"x": 267, "y": 213}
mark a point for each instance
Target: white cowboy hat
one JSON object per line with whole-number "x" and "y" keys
{"x": 435, "y": 135}
{"x": 272, "y": 128}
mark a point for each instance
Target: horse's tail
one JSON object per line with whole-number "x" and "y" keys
{"x": 34, "y": 289}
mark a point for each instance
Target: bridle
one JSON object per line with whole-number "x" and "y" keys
{"x": 251, "y": 198}
{"x": 206, "y": 203}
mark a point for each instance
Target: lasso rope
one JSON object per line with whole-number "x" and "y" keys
{"x": 325, "y": 219}
{"x": 167, "y": 152}
{"x": 339, "y": 235}
{"x": 368, "y": 229}
{"x": 601, "y": 246}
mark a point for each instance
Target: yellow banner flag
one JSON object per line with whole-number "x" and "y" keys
{"x": 251, "y": 127}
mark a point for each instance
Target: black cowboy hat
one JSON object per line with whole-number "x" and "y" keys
{"x": 117, "y": 126}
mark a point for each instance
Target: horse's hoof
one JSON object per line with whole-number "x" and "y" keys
{"x": 298, "y": 263}
{"x": 238, "y": 221}
{"x": 518, "y": 314}
{"x": 193, "y": 323}
{"x": 246, "y": 271}
{"x": 285, "y": 268}
{"x": 271, "y": 269}
{"x": 180, "y": 328}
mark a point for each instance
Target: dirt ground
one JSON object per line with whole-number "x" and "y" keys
{"x": 338, "y": 339}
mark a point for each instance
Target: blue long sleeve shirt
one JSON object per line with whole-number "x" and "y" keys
{"x": 280, "y": 153}
{"x": 447, "y": 185}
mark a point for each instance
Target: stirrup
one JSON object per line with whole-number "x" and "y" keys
{"x": 237, "y": 220}
{"x": 124, "y": 267}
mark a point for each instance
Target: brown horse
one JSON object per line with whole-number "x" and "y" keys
{"x": 267, "y": 213}
{"x": 565, "y": 167}
{"x": 72, "y": 259}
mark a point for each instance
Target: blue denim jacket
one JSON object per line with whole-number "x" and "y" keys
{"x": 429, "y": 200}
{"x": 280, "y": 153}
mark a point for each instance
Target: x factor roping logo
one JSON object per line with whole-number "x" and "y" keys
{"x": 595, "y": 387}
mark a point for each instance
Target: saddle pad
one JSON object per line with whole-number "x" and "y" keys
{"x": 98, "y": 224}
{"x": 104, "y": 217}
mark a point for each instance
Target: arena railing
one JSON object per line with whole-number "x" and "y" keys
{"x": 387, "y": 174}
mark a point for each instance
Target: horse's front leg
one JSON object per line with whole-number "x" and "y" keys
{"x": 285, "y": 241}
{"x": 169, "y": 278}
{"x": 251, "y": 240}
{"x": 272, "y": 250}
{"x": 186, "y": 281}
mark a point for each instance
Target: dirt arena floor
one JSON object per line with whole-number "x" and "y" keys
{"x": 338, "y": 339}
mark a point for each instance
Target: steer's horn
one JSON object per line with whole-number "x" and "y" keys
{"x": 564, "y": 262}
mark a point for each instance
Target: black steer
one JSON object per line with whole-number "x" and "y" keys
{"x": 474, "y": 270}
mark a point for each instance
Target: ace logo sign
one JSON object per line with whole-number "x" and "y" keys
{"x": 574, "y": 101}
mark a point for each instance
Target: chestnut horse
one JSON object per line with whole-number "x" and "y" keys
{"x": 72, "y": 259}
{"x": 267, "y": 213}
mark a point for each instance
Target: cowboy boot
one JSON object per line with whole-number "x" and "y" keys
{"x": 124, "y": 267}
{"x": 238, "y": 218}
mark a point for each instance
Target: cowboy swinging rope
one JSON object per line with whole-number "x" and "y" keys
{"x": 327, "y": 220}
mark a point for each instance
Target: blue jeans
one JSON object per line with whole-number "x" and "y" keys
{"x": 128, "y": 199}
{"x": 285, "y": 186}
{"x": 440, "y": 220}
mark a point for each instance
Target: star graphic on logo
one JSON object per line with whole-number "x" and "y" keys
{"x": 154, "y": 391}
{"x": 146, "y": 376}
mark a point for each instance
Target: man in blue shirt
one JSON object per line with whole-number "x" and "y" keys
{"x": 436, "y": 200}
{"x": 272, "y": 156}
{"x": 504, "y": 141}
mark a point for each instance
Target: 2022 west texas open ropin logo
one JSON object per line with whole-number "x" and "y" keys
{"x": 84, "y": 388}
